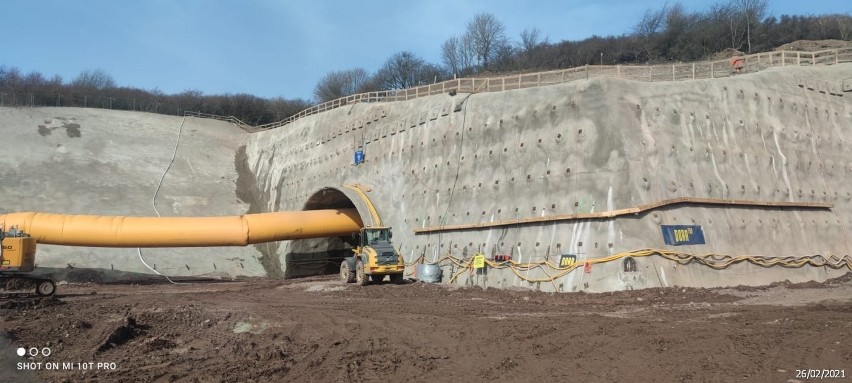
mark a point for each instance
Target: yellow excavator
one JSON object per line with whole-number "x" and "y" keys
{"x": 374, "y": 258}
{"x": 17, "y": 260}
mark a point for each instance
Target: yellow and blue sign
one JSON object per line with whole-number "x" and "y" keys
{"x": 677, "y": 235}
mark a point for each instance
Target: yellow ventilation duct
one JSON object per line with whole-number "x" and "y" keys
{"x": 119, "y": 231}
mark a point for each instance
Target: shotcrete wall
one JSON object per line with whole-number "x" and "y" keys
{"x": 93, "y": 161}
{"x": 589, "y": 146}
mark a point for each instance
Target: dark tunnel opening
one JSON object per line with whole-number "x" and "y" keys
{"x": 320, "y": 256}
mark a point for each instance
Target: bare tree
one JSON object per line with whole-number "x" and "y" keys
{"x": 487, "y": 34}
{"x": 405, "y": 70}
{"x": 748, "y": 12}
{"x": 10, "y": 77}
{"x": 402, "y": 70}
{"x": 431, "y": 73}
{"x": 716, "y": 31}
{"x": 450, "y": 54}
{"x": 648, "y": 28}
{"x": 339, "y": 84}
{"x": 282, "y": 108}
{"x": 458, "y": 54}
{"x": 843, "y": 24}
{"x": 95, "y": 79}
{"x": 371, "y": 84}
{"x": 504, "y": 58}
{"x": 191, "y": 99}
{"x": 531, "y": 39}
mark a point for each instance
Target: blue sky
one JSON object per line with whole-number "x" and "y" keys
{"x": 281, "y": 48}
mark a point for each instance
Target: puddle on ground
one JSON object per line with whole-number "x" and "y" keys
{"x": 244, "y": 327}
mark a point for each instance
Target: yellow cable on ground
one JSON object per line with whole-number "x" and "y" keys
{"x": 715, "y": 261}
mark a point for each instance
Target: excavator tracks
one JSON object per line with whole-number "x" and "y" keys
{"x": 25, "y": 287}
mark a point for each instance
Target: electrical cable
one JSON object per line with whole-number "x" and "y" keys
{"x": 463, "y": 104}
{"x": 714, "y": 261}
{"x": 154, "y": 204}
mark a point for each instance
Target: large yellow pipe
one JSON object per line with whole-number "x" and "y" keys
{"x": 117, "y": 231}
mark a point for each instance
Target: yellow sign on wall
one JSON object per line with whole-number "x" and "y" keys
{"x": 478, "y": 261}
{"x": 567, "y": 260}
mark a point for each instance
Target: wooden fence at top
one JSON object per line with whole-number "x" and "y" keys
{"x": 649, "y": 73}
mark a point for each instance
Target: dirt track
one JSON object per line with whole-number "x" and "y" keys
{"x": 320, "y": 330}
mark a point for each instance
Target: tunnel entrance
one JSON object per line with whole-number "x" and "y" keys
{"x": 328, "y": 198}
{"x": 319, "y": 256}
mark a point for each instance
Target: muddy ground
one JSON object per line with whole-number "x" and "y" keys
{"x": 321, "y": 330}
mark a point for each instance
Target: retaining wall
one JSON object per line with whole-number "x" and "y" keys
{"x": 589, "y": 146}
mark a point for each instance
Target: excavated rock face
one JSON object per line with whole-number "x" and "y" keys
{"x": 93, "y": 161}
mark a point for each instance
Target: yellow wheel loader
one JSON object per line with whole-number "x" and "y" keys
{"x": 374, "y": 258}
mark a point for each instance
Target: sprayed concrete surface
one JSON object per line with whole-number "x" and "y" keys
{"x": 780, "y": 135}
{"x": 92, "y": 161}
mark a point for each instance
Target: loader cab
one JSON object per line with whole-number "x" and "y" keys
{"x": 370, "y": 236}
{"x": 374, "y": 258}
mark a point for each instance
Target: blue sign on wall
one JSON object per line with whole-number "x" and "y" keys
{"x": 677, "y": 235}
{"x": 359, "y": 156}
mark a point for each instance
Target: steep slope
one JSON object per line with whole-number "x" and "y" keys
{"x": 777, "y": 137}
{"x": 93, "y": 161}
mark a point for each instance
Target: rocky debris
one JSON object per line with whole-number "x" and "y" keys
{"x": 121, "y": 334}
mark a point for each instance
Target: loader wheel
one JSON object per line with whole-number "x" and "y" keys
{"x": 45, "y": 288}
{"x": 360, "y": 278}
{"x": 346, "y": 275}
{"x": 396, "y": 278}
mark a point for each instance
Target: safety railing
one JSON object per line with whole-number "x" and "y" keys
{"x": 649, "y": 73}
{"x": 231, "y": 119}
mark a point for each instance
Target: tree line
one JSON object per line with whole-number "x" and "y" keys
{"x": 664, "y": 34}
{"x": 97, "y": 89}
